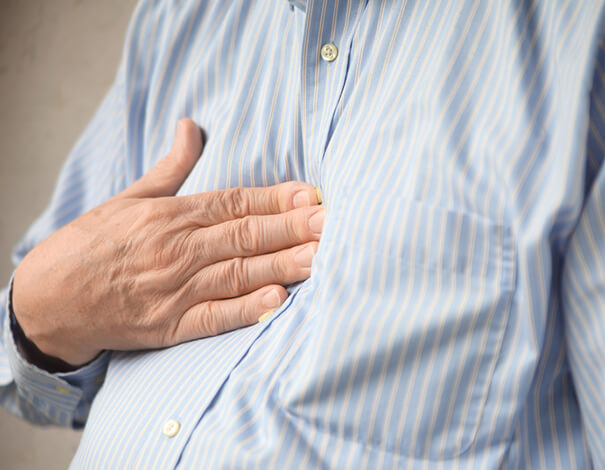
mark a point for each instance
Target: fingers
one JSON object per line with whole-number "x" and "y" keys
{"x": 256, "y": 235}
{"x": 167, "y": 176}
{"x": 239, "y": 276}
{"x": 219, "y": 316}
{"x": 215, "y": 207}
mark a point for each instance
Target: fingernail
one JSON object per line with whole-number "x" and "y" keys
{"x": 304, "y": 256}
{"x": 318, "y": 194}
{"x": 301, "y": 199}
{"x": 271, "y": 299}
{"x": 316, "y": 222}
{"x": 265, "y": 316}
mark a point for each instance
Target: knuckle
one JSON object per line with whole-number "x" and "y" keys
{"x": 212, "y": 319}
{"x": 147, "y": 213}
{"x": 280, "y": 197}
{"x": 245, "y": 235}
{"x": 281, "y": 266}
{"x": 188, "y": 251}
{"x": 297, "y": 225}
{"x": 236, "y": 275}
{"x": 187, "y": 289}
{"x": 238, "y": 203}
{"x": 243, "y": 315}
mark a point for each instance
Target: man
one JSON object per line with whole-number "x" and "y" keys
{"x": 453, "y": 312}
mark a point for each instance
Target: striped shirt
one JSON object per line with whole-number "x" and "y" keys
{"x": 455, "y": 314}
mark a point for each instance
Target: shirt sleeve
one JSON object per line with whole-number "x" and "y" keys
{"x": 93, "y": 172}
{"x": 583, "y": 280}
{"x": 38, "y": 396}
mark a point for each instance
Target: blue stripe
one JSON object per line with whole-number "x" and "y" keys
{"x": 454, "y": 315}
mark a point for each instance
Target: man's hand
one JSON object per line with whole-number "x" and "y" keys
{"x": 148, "y": 270}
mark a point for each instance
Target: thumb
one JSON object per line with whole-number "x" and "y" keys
{"x": 167, "y": 176}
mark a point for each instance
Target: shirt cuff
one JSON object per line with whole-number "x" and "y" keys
{"x": 62, "y": 393}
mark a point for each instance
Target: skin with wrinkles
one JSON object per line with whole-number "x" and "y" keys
{"x": 147, "y": 269}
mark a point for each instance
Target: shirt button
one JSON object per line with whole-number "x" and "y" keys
{"x": 329, "y": 52}
{"x": 171, "y": 428}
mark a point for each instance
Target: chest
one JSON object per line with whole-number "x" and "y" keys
{"x": 418, "y": 103}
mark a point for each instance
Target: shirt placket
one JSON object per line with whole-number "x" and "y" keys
{"x": 327, "y": 43}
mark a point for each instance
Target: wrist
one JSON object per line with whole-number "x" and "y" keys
{"x": 28, "y": 349}
{"x": 32, "y": 354}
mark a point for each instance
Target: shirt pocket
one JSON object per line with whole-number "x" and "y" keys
{"x": 406, "y": 328}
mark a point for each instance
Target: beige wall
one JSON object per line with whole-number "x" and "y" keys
{"x": 57, "y": 58}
